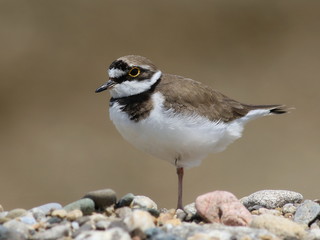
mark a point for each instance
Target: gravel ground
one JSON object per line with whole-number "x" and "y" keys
{"x": 99, "y": 215}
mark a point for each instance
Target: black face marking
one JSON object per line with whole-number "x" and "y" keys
{"x": 119, "y": 64}
{"x": 137, "y": 106}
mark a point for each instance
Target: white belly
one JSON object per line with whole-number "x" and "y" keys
{"x": 182, "y": 140}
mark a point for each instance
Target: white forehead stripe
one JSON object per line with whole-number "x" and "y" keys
{"x": 115, "y": 73}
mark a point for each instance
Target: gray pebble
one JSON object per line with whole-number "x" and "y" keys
{"x": 123, "y": 212}
{"x": 271, "y": 198}
{"x": 158, "y": 234}
{"x": 289, "y": 208}
{"x": 125, "y": 201}
{"x": 17, "y": 226}
{"x": 86, "y": 205}
{"x": 9, "y": 234}
{"x": 307, "y": 212}
{"x": 53, "y": 233}
{"x": 102, "y": 198}
{"x": 28, "y": 219}
{"x": 102, "y": 225}
{"x": 113, "y": 233}
{"x": 46, "y": 208}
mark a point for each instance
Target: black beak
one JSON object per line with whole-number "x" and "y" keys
{"x": 106, "y": 86}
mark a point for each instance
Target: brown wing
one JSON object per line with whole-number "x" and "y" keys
{"x": 189, "y": 96}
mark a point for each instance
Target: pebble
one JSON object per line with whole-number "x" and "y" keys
{"x": 125, "y": 201}
{"x": 102, "y": 198}
{"x": 28, "y": 219}
{"x": 46, "y": 208}
{"x": 86, "y": 205}
{"x": 114, "y": 233}
{"x": 143, "y": 202}
{"x": 17, "y": 226}
{"x": 307, "y": 212}
{"x": 222, "y": 207}
{"x": 123, "y": 212}
{"x": 289, "y": 208}
{"x": 53, "y": 233}
{"x": 1, "y": 208}
{"x": 74, "y": 214}
{"x": 139, "y": 219}
{"x": 271, "y": 199}
{"x": 15, "y": 213}
{"x": 60, "y": 213}
{"x": 282, "y": 227}
{"x": 8, "y": 234}
{"x": 159, "y": 234}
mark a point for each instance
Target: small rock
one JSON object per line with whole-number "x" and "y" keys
{"x": 143, "y": 202}
{"x": 60, "y": 213}
{"x": 8, "y": 234}
{"x": 102, "y": 198}
{"x": 139, "y": 219}
{"x": 282, "y": 227}
{"x": 46, "y": 208}
{"x": 28, "y": 219}
{"x": 159, "y": 234}
{"x": 164, "y": 217}
{"x": 17, "y": 226}
{"x": 118, "y": 224}
{"x": 123, "y": 212}
{"x": 1, "y": 208}
{"x": 54, "y": 220}
{"x": 222, "y": 207}
{"x": 86, "y": 205}
{"x": 53, "y": 233}
{"x": 74, "y": 214}
{"x": 181, "y": 214}
{"x": 271, "y": 198}
{"x": 15, "y": 213}
{"x": 307, "y": 212}
{"x": 190, "y": 209}
{"x": 125, "y": 201}
{"x": 113, "y": 233}
{"x": 102, "y": 225}
{"x": 269, "y": 211}
{"x": 289, "y": 208}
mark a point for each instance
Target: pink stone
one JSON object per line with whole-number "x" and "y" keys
{"x": 222, "y": 207}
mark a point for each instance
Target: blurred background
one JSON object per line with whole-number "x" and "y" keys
{"x": 56, "y": 139}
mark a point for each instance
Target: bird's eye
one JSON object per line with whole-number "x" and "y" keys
{"x": 134, "y": 72}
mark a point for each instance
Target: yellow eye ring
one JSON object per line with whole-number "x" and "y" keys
{"x": 134, "y": 72}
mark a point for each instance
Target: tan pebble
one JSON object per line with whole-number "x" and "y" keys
{"x": 173, "y": 222}
{"x": 163, "y": 218}
{"x": 202, "y": 236}
{"x": 74, "y": 214}
{"x": 1, "y": 208}
{"x": 60, "y": 213}
{"x": 288, "y": 215}
{"x": 270, "y": 211}
{"x": 97, "y": 217}
{"x": 4, "y": 219}
{"x": 15, "y": 213}
{"x": 38, "y": 225}
{"x": 255, "y": 212}
{"x": 139, "y": 219}
{"x": 280, "y": 226}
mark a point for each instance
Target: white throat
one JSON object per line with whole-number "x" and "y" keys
{"x": 129, "y": 88}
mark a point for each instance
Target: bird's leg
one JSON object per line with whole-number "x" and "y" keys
{"x": 180, "y": 178}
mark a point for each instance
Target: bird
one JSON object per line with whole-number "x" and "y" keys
{"x": 174, "y": 118}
